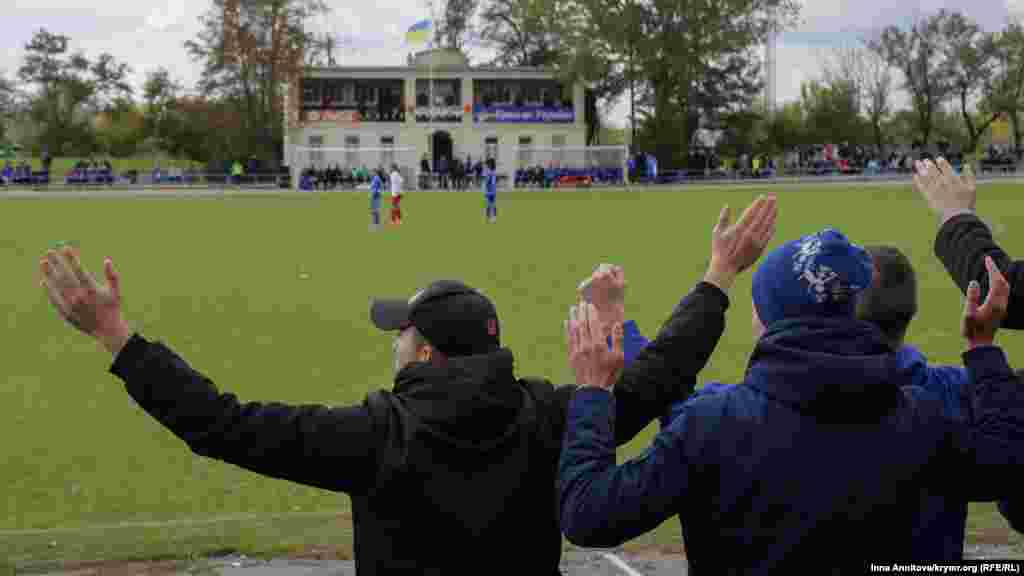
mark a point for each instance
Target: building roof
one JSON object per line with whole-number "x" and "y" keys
{"x": 439, "y": 61}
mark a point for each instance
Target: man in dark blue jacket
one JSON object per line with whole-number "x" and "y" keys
{"x": 824, "y": 443}
{"x": 891, "y": 304}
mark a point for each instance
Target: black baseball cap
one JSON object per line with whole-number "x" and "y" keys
{"x": 456, "y": 319}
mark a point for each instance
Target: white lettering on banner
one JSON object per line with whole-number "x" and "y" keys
{"x": 511, "y": 116}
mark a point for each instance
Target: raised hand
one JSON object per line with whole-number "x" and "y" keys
{"x": 980, "y": 323}
{"x": 606, "y": 290}
{"x": 946, "y": 192}
{"x": 91, "y": 308}
{"x": 735, "y": 248}
{"x": 593, "y": 363}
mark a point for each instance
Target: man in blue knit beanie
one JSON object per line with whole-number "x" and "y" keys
{"x": 816, "y": 276}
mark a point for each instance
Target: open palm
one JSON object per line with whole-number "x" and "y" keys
{"x": 80, "y": 300}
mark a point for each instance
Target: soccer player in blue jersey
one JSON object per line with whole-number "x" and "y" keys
{"x": 491, "y": 191}
{"x": 375, "y": 193}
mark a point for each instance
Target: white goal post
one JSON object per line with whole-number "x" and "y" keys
{"x": 347, "y": 159}
{"x": 540, "y": 165}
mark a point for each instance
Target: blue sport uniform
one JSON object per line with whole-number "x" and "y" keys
{"x": 491, "y": 192}
{"x": 375, "y": 195}
{"x": 940, "y": 532}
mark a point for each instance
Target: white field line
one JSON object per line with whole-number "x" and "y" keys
{"x": 621, "y": 565}
{"x": 170, "y": 523}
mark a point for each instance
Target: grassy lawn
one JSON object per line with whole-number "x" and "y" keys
{"x": 220, "y": 281}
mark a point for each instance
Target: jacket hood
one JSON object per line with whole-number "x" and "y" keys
{"x": 473, "y": 402}
{"x": 840, "y": 369}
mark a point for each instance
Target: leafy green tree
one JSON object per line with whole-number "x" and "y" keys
{"x": 921, "y": 54}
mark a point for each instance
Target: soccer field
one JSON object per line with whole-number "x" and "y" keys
{"x": 269, "y": 296}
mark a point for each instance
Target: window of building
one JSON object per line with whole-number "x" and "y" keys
{"x": 387, "y": 154}
{"x": 367, "y": 94}
{"x": 334, "y": 93}
{"x": 485, "y": 92}
{"x": 525, "y": 151}
{"x": 311, "y": 92}
{"x": 531, "y": 93}
{"x": 352, "y": 150}
{"x": 316, "y": 157}
{"x": 348, "y": 94}
{"x": 491, "y": 148}
{"x": 445, "y": 92}
{"x": 558, "y": 143}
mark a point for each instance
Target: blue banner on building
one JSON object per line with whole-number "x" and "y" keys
{"x": 523, "y": 114}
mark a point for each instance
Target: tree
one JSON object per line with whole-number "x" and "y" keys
{"x": 120, "y": 130}
{"x": 694, "y": 62}
{"x": 524, "y": 32}
{"x": 456, "y": 23}
{"x": 872, "y": 76}
{"x": 744, "y": 132}
{"x": 160, "y": 92}
{"x": 8, "y": 100}
{"x": 971, "y": 56}
{"x": 553, "y": 34}
{"x": 1007, "y": 93}
{"x": 251, "y": 50}
{"x": 920, "y": 53}
{"x": 832, "y": 112}
{"x": 787, "y": 128}
{"x": 69, "y": 90}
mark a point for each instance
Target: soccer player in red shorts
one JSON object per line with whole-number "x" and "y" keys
{"x": 396, "y": 194}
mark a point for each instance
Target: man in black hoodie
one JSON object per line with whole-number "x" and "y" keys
{"x": 460, "y": 453}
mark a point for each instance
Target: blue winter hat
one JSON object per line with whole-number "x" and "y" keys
{"x": 817, "y": 275}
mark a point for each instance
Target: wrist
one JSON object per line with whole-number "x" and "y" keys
{"x": 980, "y": 342}
{"x": 949, "y": 214}
{"x": 115, "y": 338}
{"x": 720, "y": 276}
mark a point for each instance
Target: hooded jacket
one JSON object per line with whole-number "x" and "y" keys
{"x": 939, "y": 534}
{"x": 826, "y": 452}
{"x": 456, "y": 457}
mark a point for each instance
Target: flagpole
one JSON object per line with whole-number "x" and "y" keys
{"x": 430, "y": 75}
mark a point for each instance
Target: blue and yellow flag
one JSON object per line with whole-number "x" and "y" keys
{"x": 420, "y": 32}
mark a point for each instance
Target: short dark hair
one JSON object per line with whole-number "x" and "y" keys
{"x": 891, "y": 301}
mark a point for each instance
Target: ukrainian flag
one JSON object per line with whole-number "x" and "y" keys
{"x": 419, "y": 33}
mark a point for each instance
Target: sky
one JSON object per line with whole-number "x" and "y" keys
{"x": 150, "y": 33}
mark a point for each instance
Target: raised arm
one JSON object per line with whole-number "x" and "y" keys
{"x": 603, "y": 504}
{"x": 962, "y": 244}
{"x": 295, "y": 443}
{"x": 665, "y": 371}
{"x": 963, "y": 240}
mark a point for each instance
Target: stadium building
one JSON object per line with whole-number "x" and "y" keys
{"x": 351, "y": 116}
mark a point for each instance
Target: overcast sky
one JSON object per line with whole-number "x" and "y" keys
{"x": 150, "y": 33}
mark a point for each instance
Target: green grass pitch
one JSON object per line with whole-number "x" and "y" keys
{"x": 269, "y": 297}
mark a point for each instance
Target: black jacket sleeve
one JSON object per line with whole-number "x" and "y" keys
{"x": 962, "y": 244}
{"x": 329, "y": 448}
{"x": 988, "y": 444}
{"x": 1011, "y": 510}
{"x": 665, "y": 371}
